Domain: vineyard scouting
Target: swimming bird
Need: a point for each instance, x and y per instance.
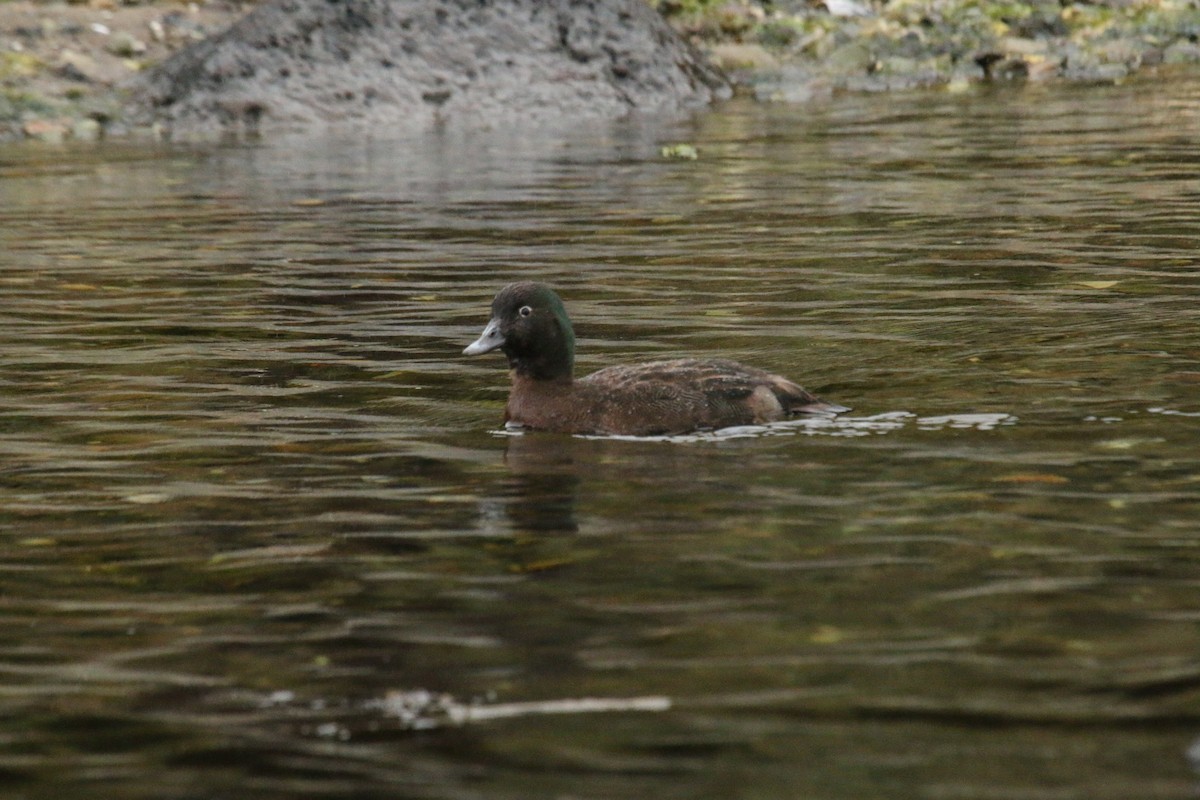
(530, 326)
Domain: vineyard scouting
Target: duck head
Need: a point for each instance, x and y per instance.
(530, 326)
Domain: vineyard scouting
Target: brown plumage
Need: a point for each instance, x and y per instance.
(530, 325)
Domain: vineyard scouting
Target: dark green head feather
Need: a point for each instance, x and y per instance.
(531, 326)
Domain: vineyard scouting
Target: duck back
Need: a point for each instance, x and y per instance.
(664, 397)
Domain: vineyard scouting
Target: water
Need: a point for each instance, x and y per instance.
(262, 535)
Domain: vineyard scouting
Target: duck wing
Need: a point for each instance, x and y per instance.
(687, 394)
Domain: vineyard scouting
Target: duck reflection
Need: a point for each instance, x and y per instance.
(541, 491)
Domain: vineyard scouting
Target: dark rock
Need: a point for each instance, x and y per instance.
(987, 61)
(1002, 67)
(414, 63)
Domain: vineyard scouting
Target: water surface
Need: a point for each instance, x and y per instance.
(262, 533)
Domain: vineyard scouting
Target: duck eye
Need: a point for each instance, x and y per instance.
(525, 311)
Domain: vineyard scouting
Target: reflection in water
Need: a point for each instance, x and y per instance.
(258, 531)
(546, 472)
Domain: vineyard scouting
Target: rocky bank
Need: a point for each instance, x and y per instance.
(386, 64)
(107, 67)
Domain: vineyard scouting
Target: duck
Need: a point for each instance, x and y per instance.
(530, 326)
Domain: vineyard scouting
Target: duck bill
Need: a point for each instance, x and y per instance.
(491, 339)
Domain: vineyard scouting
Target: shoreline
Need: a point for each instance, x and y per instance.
(62, 65)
